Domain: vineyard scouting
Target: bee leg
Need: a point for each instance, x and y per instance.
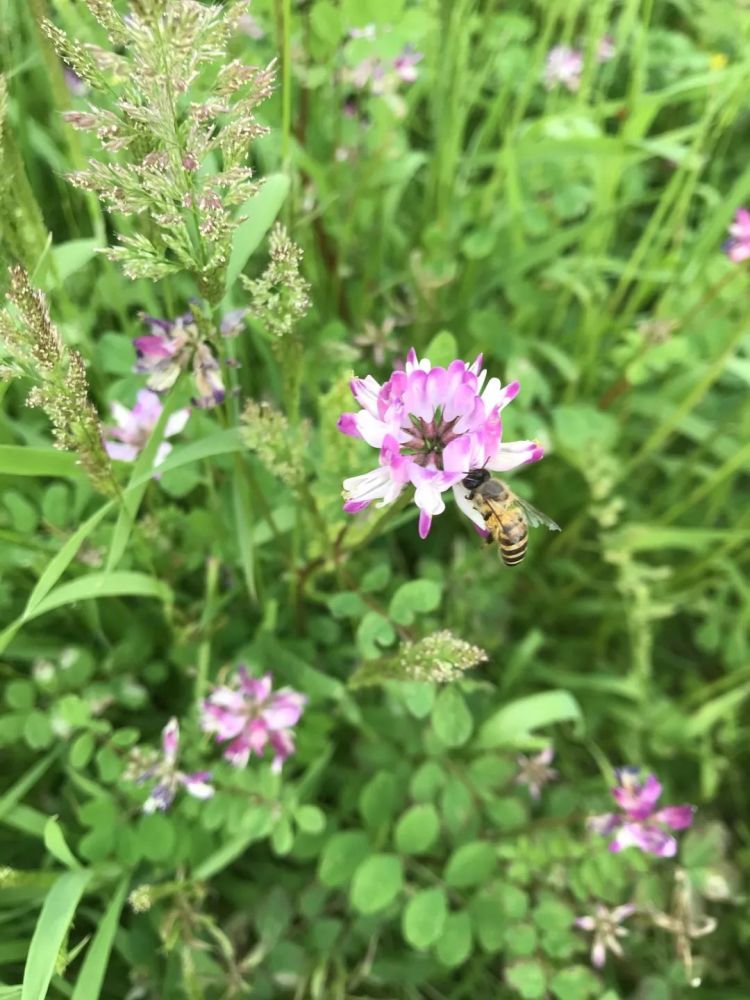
(489, 540)
(487, 515)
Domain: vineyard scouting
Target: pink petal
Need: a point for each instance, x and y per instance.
(347, 424)
(153, 346)
(425, 523)
(257, 688)
(676, 817)
(285, 709)
(598, 954)
(170, 739)
(147, 409)
(121, 452)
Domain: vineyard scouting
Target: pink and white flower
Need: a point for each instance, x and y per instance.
(133, 428)
(168, 778)
(640, 824)
(564, 66)
(169, 349)
(249, 716)
(431, 426)
(535, 772)
(405, 64)
(737, 246)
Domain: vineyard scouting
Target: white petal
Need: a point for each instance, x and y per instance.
(514, 453)
(176, 422)
(373, 431)
(466, 506)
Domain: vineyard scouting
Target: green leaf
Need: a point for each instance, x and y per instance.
(156, 837)
(376, 883)
(442, 349)
(261, 211)
(374, 632)
(68, 258)
(341, 856)
(51, 928)
(576, 983)
(413, 598)
(417, 830)
(377, 802)
(423, 919)
(310, 819)
(451, 718)
(119, 583)
(54, 841)
(91, 977)
(20, 460)
(470, 864)
(454, 944)
(514, 724)
(528, 979)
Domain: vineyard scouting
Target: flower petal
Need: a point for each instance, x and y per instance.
(676, 817)
(511, 454)
(170, 740)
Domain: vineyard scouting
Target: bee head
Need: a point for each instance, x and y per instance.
(475, 478)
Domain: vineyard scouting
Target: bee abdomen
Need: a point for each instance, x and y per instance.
(513, 552)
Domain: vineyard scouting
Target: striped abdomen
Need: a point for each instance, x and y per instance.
(513, 549)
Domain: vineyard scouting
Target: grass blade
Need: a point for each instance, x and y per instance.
(20, 460)
(91, 977)
(57, 914)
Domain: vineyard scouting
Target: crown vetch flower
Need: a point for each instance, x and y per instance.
(564, 66)
(641, 824)
(737, 246)
(604, 924)
(169, 349)
(133, 428)
(168, 778)
(250, 716)
(432, 426)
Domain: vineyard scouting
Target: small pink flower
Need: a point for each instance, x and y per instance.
(133, 428)
(249, 716)
(564, 66)
(251, 27)
(604, 924)
(431, 426)
(640, 824)
(405, 64)
(738, 246)
(171, 348)
(168, 778)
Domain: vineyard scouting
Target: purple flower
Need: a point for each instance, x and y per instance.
(640, 824)
(604, 924)
(250, 716)
(168, 778)
(738, 246)
(232, 322)
(405, 64)
(564, 66)
(169, 349)
(133, 428)
(432, 426)
(535, 771)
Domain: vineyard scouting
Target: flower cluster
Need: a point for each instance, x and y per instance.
(146, 767)
(381, 77)
(249, 716)
(432, 426)
(133, 428)
(640, 824)
(565, 64)
(170, 348)
(737, 247)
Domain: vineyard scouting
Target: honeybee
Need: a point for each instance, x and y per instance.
(505, 514)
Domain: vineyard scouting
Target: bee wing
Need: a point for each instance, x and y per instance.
(534, 517)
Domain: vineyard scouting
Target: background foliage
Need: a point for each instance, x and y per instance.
(575, 239)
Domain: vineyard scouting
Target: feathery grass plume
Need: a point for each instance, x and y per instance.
(440, 657)
(168, 133)
(280, 448)
(23, 235)
(280, 298)
(33, 348)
